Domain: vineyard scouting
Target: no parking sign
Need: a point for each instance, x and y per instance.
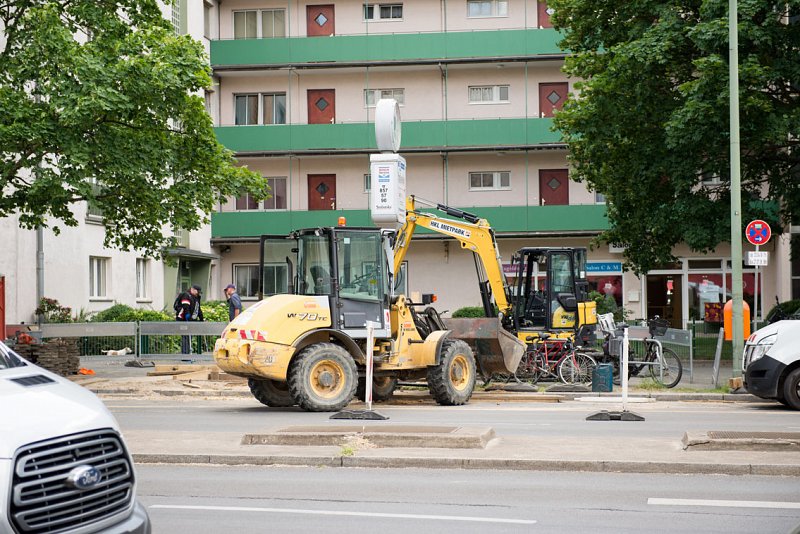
(758, 232)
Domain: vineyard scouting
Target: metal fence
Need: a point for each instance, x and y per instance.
(142, 339)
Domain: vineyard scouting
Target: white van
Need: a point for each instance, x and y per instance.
(64, 467)
(771, 363)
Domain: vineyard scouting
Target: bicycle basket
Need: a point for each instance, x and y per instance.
(615, 346)
(658, 327)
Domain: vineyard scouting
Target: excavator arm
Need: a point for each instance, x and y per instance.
(474, 234)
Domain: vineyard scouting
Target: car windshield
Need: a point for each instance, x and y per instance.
(9, 358)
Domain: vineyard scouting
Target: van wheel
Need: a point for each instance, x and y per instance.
(452, 381)
(791, 390)
(382, 388)
(323, 378)
(271, 392)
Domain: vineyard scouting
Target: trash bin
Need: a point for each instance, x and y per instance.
(602, 378)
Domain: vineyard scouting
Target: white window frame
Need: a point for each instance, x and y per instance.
(376, 12)
(175, 15)
(259, 22)
(207, 11)
(142, 279)
(495, 8)
(496, 94)
(496, 181)
(285, 180)
(260, 107)
(398, 93)
(599, 198)
(98, 277)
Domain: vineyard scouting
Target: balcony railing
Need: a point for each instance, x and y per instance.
(400, 48)
(418, 136)
(506, 219)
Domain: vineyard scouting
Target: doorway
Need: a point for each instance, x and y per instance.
(552, 97)
(320, 21)
(553, 187)
(321, 106)
(321, 192)
(665, 297)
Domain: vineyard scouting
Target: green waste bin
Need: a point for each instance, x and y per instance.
(602, 378)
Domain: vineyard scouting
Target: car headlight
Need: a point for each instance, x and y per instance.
(757, 351)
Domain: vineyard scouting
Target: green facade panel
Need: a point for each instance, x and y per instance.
(502, 219)
(386, 48)
(418, 135)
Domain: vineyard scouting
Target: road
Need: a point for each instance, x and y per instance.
(219, 500)
(662, 419)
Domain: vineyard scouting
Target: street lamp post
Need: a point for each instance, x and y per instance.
(736, 193)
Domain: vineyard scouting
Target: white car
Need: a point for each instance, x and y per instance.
(771, 363)
(64, 467)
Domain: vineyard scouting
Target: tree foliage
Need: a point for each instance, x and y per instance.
(99, 103)
(650, 123)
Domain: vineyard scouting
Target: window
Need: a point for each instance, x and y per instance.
(246, 279)
(245, 24)
(371, 96)
(142, 278)
(176, 16)
(98, 268)
(93, 211)
(247, 112)
(274, 108)
(383, 11)
(360, 266)
(488, 93)
(254, 24)
(207, 10)
(482, 181)
(246, 202)
(599, 198)
(278, 199)
(487, 8)
(273, 23)
(367, 183)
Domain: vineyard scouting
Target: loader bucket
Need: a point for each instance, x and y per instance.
(496, 350)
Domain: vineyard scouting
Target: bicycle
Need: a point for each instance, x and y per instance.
(664, 365)
(555, 358)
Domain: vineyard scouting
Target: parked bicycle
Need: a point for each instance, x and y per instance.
(662, 363)
(555, 358)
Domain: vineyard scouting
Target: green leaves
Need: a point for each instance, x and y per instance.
(650, 128)
(119, 109)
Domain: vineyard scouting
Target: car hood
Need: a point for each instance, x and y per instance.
(769, 330)
(44, 411)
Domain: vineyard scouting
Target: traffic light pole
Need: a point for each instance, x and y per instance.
(736, 192)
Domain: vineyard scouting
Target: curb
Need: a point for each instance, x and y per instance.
(599, 466)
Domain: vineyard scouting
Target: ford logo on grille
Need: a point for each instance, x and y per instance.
(83, 477)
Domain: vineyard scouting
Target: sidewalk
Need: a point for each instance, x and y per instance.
(629, 455)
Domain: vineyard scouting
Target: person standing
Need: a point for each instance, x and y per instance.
(234, 302)
(187, 308)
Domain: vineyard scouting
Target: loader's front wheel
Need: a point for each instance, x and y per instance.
(452, 381)
(323, 378)
(382, 388)
(271, 392)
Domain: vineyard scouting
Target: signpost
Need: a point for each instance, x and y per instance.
(757, 233)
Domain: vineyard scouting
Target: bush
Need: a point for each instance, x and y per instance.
(215, 311)
(121, 313)
(53, 312)
(789, 307)
(607, 304)
(469, 311)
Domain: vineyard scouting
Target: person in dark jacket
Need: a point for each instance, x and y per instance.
(187, 308)
(234, 302)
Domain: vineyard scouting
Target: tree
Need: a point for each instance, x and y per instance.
(98, 103)
(649, 126)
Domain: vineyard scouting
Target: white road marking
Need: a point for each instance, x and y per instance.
(339, 513)
(722, 503)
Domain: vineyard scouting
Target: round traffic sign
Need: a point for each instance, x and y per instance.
(758, 232)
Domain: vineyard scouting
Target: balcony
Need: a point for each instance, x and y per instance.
(506, 219)
(399, 48)
(418, 136)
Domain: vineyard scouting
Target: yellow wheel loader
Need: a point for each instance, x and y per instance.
(329, 305)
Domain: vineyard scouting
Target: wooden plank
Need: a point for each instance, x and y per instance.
(166, 369)
(194, 375)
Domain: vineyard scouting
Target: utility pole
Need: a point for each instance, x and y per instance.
(737, 331)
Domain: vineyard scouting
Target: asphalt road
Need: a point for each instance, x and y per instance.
(662, 419)
(219, 500)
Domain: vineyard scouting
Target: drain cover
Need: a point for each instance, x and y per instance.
(725, 434)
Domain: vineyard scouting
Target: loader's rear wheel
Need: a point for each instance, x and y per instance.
(271, 392)
(452, 381)
(382, 388)
(323, 378)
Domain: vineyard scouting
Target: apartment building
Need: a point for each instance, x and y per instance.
(477, 82)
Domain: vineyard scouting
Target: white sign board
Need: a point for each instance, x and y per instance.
(758, 259)
(387, 197)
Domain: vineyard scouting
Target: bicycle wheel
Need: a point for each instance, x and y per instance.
(671, 368)
(576, 368)
(530, 368)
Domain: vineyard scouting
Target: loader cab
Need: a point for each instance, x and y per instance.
(346, 265)
(551, 287)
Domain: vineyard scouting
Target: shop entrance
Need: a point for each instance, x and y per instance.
(665, 297)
